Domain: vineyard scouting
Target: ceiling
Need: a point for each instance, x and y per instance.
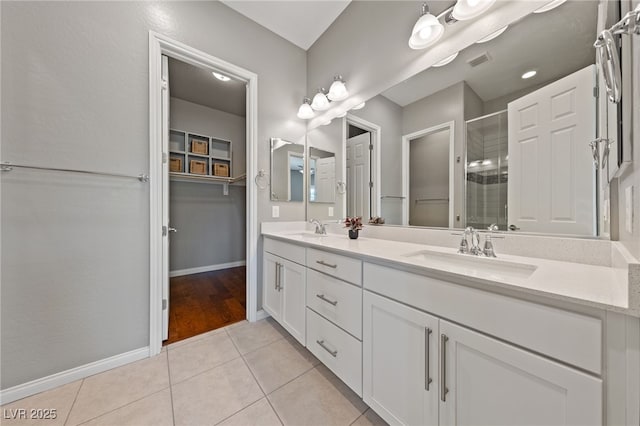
(301, 22)
(555, 44)
(198, 85)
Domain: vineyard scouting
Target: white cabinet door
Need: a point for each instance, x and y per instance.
(492, 383)
(271, 285)
(551, 174)
(400, 360)
(293, 302)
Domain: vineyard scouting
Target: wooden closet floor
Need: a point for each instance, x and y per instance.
(205, 302)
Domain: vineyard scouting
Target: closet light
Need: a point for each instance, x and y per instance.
(320, 101)
(469, 9)
(338, 90)
(445, 61)
(221, 77)
(549, 6)
(359, 106)
(426, 31)
(493, 35)
(305, 111)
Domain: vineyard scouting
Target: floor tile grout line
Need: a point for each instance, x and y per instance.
(241, 410)
(361, 414)
(75, 398)
(173, 413)
(274, 410)
(207, 370)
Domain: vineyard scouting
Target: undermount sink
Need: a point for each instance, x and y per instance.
(473, 265)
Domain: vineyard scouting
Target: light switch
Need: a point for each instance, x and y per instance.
(628, 199)
(275, 211)
(330, 211)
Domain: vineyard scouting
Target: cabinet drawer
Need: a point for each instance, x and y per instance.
(345, 268)
(567, 336)
(339, 351)
(285, 250)
(337, 301)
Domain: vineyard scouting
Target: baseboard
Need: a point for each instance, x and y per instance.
(49, 382)
(199, 269)
(262, 314)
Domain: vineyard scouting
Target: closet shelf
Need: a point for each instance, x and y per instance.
(187, 177)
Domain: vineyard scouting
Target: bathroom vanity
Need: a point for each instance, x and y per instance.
(428, 336)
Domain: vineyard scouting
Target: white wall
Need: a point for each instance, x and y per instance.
(75, 255)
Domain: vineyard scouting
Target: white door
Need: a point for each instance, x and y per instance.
(359, 176)
(489, 382)
(400, 360)
(165, 198)
(551, 174)
(292, 289)
(325, 180)
(271, 285)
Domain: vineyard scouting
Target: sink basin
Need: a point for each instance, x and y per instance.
(310, 235)
(473, 265)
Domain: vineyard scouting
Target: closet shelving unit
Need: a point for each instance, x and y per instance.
(196, 157)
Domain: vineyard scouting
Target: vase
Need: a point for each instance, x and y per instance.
(353, 234)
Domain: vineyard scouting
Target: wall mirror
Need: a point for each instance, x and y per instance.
(497, 133)
(287, 171)
(325, 163)
(322, 176)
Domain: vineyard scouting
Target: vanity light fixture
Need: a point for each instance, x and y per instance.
(446, 60)
(529, 74)
(338, 90)
(342, 114)
(326, 123)
(221, 77)
(320, 101)
(469, 9)
(359, 106)
(549, 6)
(305, 111)
(492, 35)
(426, 31)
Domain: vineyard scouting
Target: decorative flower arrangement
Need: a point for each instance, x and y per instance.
(354, 223)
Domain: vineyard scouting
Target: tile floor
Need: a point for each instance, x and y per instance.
(243, 374)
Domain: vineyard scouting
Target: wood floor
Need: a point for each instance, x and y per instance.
(206, 301)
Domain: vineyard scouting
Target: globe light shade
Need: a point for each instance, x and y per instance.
(338, 90)
(305, 111)
(426, 32)
(320, 101)
(445, 61)
(469, 9)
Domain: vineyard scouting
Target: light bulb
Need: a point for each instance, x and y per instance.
(529, 74)
(426, 31)
(338, 90)
(320, 101)
(305, 111)
(469, 9)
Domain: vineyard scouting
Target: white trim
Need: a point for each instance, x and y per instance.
(207, 268)
(262, 314)
(159, 45)
(58, 379)
(376, 140)
(405, 168)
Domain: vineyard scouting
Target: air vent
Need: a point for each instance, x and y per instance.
(480, 59)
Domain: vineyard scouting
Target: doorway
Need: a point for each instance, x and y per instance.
(206, 160)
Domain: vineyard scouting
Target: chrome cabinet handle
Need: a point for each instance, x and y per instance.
(443, 367)
(323, 298)
(170, 229)
(281, 267)
(322, 345)
(277, 282)
(323, 263)
(427, 378)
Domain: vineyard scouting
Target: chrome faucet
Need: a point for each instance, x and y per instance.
(320, 227)
(464, 244)
(488, 243)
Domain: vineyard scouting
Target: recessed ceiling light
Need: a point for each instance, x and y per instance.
(445, 61)
(221, 77)
(529, 74)
(493, 35)
(549, 6)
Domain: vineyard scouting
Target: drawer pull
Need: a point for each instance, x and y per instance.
(332, 353)
(277, 282)
(443, 367)
(427, 350)
(323, 263)
(331, 302)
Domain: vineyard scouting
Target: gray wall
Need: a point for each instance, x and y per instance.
(75, 255)
(190, 117)
(211, 226)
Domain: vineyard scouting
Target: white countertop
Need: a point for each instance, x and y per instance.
(597, 286)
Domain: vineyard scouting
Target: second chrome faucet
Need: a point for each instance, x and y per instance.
(473, 247)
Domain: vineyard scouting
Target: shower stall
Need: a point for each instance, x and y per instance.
(487, 171)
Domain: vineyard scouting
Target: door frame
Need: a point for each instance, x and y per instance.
(406, 139)
(161, 45)
(376, 137)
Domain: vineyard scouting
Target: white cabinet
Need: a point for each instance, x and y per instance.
(284, 294)
(400, 362)
(491, 382)
(475, 379)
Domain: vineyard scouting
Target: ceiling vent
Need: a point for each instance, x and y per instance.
(480, 59)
